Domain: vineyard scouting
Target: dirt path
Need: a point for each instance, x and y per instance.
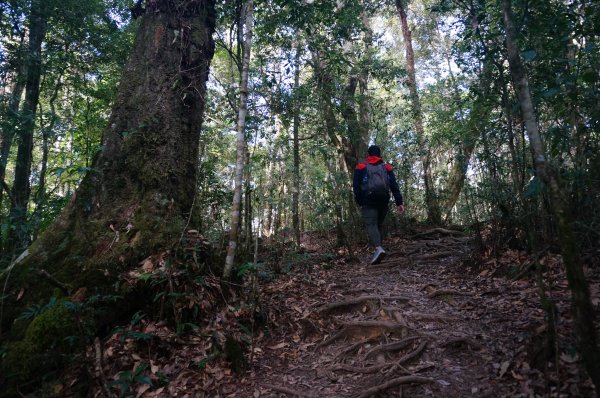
(432, 320)
(415, 325)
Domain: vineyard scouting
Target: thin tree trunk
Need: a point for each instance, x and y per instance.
(47, 132)
(12, 116)
(433, 211)
(364, 103)
(18, 237)
(241, 145)
(583, 311)
(268, 218)
(296, 150)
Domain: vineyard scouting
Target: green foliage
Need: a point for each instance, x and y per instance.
(127, 381)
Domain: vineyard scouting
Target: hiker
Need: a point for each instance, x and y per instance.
(372, 183)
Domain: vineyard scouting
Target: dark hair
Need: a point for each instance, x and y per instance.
(374, 150)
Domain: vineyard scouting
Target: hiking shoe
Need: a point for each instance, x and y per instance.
(378, 255)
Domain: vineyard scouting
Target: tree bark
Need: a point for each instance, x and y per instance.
(136, 200)
(18, 237)
(241, 145)
(12, 115)
(583, 311)
(431, 202)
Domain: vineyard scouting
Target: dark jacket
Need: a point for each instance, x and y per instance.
(359, 174)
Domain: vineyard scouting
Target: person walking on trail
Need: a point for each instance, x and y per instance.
(372, 183)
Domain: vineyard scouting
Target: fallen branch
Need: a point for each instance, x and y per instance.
(289, 391)
(358, 300)
(395, 382)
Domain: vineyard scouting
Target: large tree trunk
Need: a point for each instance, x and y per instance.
(241, 145)
(18, 237)
(583, 311)
(136, 200)
(431, 202)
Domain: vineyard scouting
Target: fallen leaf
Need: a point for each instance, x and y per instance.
(278, 346)
(503, 368)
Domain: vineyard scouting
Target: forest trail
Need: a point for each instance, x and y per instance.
(419, 324)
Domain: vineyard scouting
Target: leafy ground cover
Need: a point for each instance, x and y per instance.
(434, 319)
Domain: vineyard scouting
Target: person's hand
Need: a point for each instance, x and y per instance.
(400, 209)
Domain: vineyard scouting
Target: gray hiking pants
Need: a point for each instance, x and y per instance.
(373, 217)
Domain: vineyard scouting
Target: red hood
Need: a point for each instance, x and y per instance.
(374, 160)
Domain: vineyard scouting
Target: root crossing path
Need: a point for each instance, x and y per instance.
(417, 324)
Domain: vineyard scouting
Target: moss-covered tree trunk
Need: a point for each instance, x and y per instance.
(137, 198)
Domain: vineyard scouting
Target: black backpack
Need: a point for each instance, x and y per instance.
(376, 183)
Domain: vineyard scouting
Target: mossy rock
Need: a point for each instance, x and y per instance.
(45, 347)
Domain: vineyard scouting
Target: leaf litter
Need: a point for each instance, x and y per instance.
(455, 325)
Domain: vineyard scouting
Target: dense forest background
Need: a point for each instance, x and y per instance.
(297, 90)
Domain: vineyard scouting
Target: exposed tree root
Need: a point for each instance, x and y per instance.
(367, 369)
(289, 391)
(395, 346)
(99, 368)
(413, 354)
(390, 264)
(358, 300)
(441, 231)
(443, 292)
(376, 368)
(354, 347)
(374, 324)
(333, 338)
(393, 383)
(347, 327)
